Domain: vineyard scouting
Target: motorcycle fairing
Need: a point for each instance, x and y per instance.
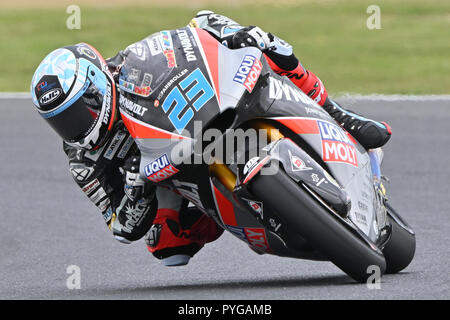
(307, 120)
(190, 92)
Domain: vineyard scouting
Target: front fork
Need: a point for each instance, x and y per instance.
(376, 158)
(224, 174)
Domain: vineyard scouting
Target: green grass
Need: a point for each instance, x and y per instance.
(409, 55)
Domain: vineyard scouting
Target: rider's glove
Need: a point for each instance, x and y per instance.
(136, 211)
(252, 37)
(134, 184)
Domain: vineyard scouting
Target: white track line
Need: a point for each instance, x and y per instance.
(393, 97)
(15, 95)
(370, 97)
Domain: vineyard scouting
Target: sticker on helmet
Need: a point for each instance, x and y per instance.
(61, 63)
(49, 97)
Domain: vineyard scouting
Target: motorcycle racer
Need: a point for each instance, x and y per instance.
(76, 91)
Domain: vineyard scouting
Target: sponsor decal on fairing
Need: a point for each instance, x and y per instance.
(256, 206)
(237, 232)
(143, 91)
(170, 83)
(138, 49)
(160, 169)
(248, 72)
(167, 45)
(255, 237)
(154, 44)
(297, 164)
(131, 106)
(250, 164)
(198, 92)
(279, 90)
(360, 218)
(336, 145)
(187, 45)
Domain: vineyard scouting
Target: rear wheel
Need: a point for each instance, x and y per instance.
(307, 217)
(401, 246)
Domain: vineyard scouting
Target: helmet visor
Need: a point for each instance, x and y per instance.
(80, 118)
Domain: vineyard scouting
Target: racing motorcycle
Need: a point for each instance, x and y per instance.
(307, 190)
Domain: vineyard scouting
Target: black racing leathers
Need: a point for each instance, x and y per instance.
(100, 176)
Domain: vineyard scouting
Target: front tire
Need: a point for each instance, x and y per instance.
(307, 217)
(401, 246)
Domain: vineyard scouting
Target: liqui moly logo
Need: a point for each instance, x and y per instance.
(159, 169)
(257, 238)
(336, 145)
(248, 72)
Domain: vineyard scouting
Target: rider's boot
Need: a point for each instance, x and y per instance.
(369, 133)
(175, 237)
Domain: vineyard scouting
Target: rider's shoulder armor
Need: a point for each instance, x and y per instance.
(220, 27)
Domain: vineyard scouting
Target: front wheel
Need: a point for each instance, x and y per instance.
(401, 246)
(307, 217)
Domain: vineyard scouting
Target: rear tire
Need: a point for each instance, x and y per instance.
(305, 216)
(401, 246)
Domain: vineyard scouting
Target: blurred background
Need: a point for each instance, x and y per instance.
(409, 54)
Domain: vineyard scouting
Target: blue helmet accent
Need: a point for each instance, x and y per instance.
(74, 92)
(86, 78)
(61, 63)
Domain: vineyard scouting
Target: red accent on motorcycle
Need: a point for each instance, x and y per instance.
(388, 128)
(225, 208)
(211, 51)
(257, 239)
(300, 125)
(256, 169)
(146, 131)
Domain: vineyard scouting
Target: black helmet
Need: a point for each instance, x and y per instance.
(75, 93)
